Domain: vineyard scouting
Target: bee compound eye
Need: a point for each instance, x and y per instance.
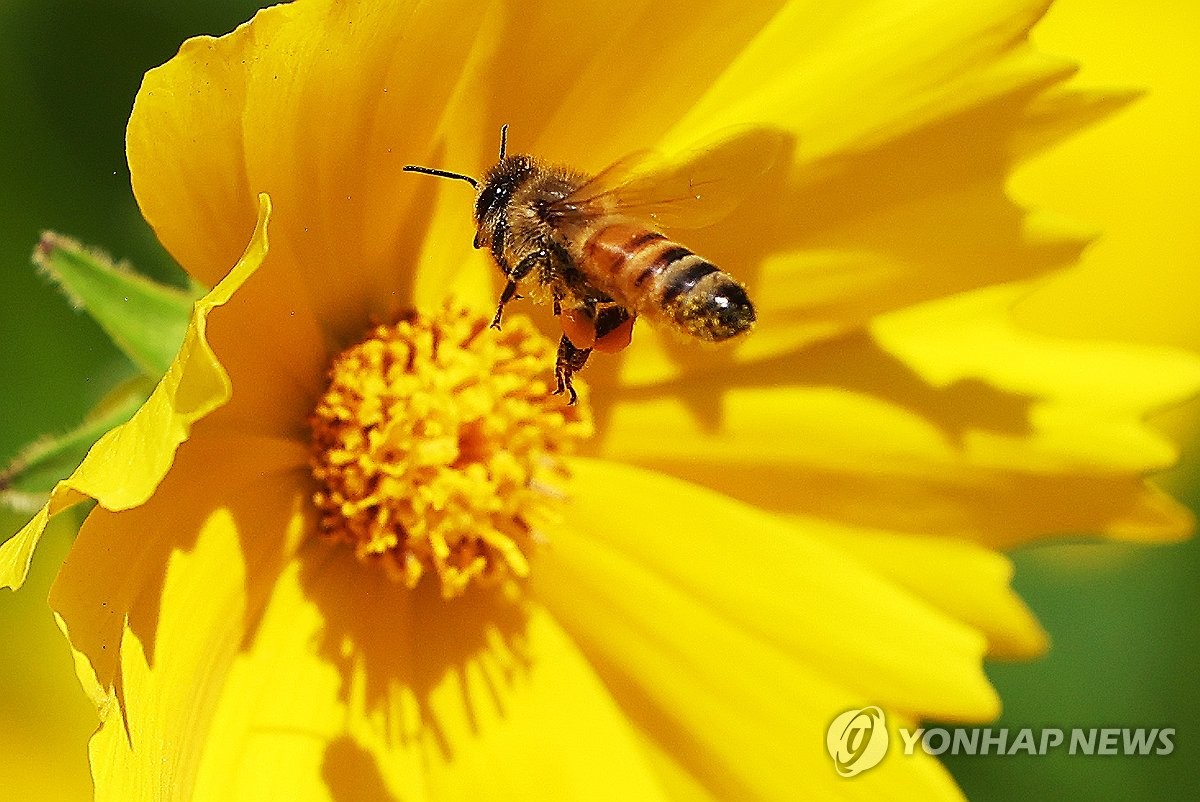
(488, 197)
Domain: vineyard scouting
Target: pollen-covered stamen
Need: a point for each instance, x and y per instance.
(437, 448)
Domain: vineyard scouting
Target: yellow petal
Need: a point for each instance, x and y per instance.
(125, 466)
(748, 566)
(113, 577)
(542, 738)
(973, 336)
(589, 83)
(894, 198)
(480, 697)
(990, 434)
(1062, 113)
(231, 656)
(851, 262)
(968, 582)
(320, 105)
(679, 784)
(904, 64)
(160, 601)
(1091, 400)
(920, 778)
(727, 633)
(1141, 173)
(151, 735)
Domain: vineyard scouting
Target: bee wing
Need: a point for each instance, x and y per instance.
(692, 194)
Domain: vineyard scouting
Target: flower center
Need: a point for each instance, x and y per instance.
(438, 445)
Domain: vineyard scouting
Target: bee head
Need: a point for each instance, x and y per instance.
(494, 190)
(498, 186)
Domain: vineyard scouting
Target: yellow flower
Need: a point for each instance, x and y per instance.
(754, 541)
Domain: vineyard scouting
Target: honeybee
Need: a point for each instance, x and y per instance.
(591, 245)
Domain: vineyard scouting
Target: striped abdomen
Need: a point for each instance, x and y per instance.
(665, 281)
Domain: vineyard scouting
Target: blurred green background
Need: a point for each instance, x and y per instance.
(1123, 619)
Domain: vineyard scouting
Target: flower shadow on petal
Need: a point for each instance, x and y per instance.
(857, 363)
(612, 83)
(987, 463)
(388, 641)
(918, 217)
(112, 584)
(390, 646)
(258, 491)
(352, 774)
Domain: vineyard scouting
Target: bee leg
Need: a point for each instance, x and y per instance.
(510, 292)
(570, 360)
(557, 303)
(523, 269)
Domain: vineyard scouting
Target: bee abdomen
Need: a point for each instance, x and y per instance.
(694, 294)
(705, 302)
(665, 280)
(629, 258)
(611, 249)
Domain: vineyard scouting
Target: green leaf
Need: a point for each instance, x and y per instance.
(26, 483)
(145, 319)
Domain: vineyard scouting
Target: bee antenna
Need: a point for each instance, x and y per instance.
(412, 168)
(503, 140)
